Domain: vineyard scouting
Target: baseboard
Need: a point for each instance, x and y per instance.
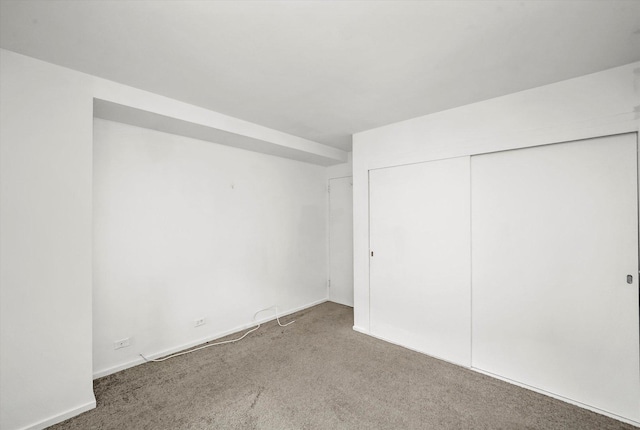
(492, 375)
(61, 417)
(557, 397)
(340, 303)
(393, 342)
(360, 330)
(140, 360)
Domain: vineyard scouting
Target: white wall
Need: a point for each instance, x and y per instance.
(186, 229)
(599, 104)
(341, 170)
(46, 137)
(45, 244)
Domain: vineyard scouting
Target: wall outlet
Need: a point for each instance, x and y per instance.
(123, 343)
(199, 322)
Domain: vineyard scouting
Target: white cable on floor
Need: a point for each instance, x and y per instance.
(275, 308)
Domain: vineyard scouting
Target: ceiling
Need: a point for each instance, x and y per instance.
(324, 70)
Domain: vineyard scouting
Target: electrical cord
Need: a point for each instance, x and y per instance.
(275, 308)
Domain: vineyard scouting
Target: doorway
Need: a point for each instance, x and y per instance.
(340, 286)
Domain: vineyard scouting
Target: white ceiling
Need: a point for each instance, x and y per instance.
(324, 70)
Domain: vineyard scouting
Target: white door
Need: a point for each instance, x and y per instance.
(341, 241)
(554, 239)
(420, 261)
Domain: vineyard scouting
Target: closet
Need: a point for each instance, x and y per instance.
(522, 264)
(420, 266)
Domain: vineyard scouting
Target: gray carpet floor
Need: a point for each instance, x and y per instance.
(319, 374)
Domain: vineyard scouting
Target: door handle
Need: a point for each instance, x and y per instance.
(629, 279)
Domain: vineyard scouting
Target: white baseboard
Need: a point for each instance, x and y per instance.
(492, 375)
(108, 371)
(555, 396)
(340, 303)
(393, 342)
(61, 417)
(360, 330)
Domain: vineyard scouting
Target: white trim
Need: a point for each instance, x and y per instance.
(60, 417)
(557, 397)
(328, 224)
(384, 339)
(361, 330)
(512, 382)
(339, 303)
(339, 177)
(520, 139)
(138, 361)
(327, 282)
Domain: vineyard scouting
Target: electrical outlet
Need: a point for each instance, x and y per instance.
(199, 322)
(123, 343)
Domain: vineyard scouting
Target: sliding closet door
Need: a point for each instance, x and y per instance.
(555, 270)
(419, 266)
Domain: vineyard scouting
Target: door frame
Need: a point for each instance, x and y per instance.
(328, 283)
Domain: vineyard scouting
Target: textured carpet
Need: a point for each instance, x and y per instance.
(319, 374)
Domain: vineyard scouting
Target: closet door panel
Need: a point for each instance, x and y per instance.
(420, 267)
(554, 239)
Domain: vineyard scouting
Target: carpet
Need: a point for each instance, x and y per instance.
(319, 374)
